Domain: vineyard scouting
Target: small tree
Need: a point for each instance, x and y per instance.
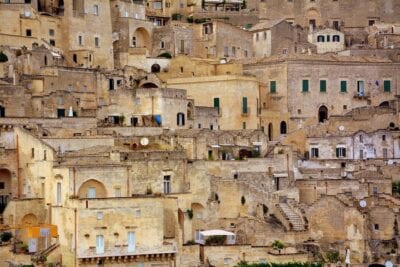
(190, 213)
(6, 236)
(3, 57)
(333, 256)
(278, 245)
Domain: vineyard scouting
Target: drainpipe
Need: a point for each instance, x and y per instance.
(18, 174)
(75, 238)
(73, 177)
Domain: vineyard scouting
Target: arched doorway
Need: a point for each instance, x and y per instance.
(384, 104)
(5, 188)
(270, 132)
(149, 85)
(92, 189)
(29, 220)
(141, 38)
(283, 128)
(322, 114)
(180, 119)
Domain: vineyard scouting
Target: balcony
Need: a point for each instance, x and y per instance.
(362, 96)
(120, 253)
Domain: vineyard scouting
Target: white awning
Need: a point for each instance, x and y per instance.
(216, 232)
(55, 55)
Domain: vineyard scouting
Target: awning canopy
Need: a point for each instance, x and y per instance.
(216, 232)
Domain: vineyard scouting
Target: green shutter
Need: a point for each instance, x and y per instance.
(344, 152)
(343, 86)
(322, 86)
(272, 86)
(337, 152)
(216, 102)
(386, 86)
(244, 106)
(305, 85)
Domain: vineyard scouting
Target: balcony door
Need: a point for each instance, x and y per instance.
(99, 244)
(131, 242)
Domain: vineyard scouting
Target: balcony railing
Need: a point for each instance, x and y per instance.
(121, 251)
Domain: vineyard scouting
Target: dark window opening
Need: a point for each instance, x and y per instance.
(111, 84)
(322, 114)
(60, 113)
(283, 127)
(28, 32)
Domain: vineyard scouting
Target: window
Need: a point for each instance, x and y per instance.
(99, 215)
(360, 88)
(134, 41)
(44, 155)
(2, 185)
(386, 86)
(314, 152)
(80, 40)
(99, 244)
(111, 84)
(32, 153)
(305, 85)
(91, 193)
(216, 103)
(371, 22)
(340, 152)
(244, 125)
(257, 36)
(182, 47)
(75, 58)
(58, 194)
(246, 53)
(131, 242)
(376, 226)
(162, 44)
(60, 113)
(328, 38)
(336, 26)
(336, 38)
(51, 32)
(272, 87)
(28, 32)
(138, 213)
(117, 192)
(97, 41)
(96, 10)
(265, 35)
(283, 127)
(180, 119)
(199, 125)
(343, 86)
(361, 139)
(320, 38)
(322, 85)
(52, 42)
(233, 51)
(385, 153)
(226, 52)
(167, 184)
(244, 105)
(384, 137)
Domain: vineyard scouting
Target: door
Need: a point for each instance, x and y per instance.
(131, 242)
(99, 244)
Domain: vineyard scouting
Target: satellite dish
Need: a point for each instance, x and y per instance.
(144, 141)
(341, 128)
(363, 203)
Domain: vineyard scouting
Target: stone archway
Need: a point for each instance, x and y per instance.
(322, 114)
(92, 189)
(141, 38)
(313, 17)
(29, 220)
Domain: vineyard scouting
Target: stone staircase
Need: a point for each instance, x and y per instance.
(295, 221)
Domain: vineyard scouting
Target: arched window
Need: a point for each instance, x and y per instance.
(155, 68)
(283, 127)
(336, 38)
(322, 114)
(180, 119)
(320, 39)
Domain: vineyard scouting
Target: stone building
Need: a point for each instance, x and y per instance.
(278, 37)
(327, 40)
(217, 39)
(320, 87)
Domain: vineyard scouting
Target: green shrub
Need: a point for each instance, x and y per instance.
(190, 213)
(333, 256)
(6, 236)
(165, 55)
(278, 245)
(3, 57)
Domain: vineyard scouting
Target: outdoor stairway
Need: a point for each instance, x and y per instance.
(294, 219)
